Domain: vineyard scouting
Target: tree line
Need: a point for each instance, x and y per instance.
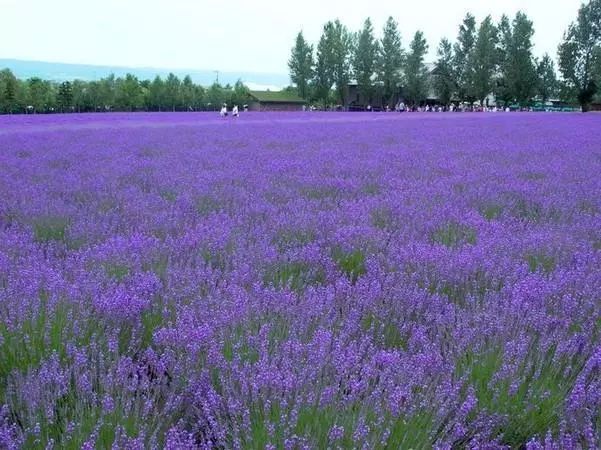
(111, 93)
(486, 58)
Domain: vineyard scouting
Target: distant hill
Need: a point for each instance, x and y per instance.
(67, 72)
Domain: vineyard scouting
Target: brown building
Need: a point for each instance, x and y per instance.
(358, 102)
(275, 101)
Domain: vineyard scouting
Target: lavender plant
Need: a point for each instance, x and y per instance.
(300, 281)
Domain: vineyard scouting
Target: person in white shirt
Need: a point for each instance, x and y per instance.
(235, 111)
(223, 112)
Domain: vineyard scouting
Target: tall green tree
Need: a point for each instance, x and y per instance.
(390, 60)
(444, 76)
(342, 50)
(21, 96)
(199, 96)
(301, 65)
(547, 86)
(215, 96)
(80, 91)
(597, 71)
(416, 74)
(2, 94)
(502, 89)
(241, 93)
(518, 69)
(578, 51)
(524, 66)
(107, 92)
(483, 61)
(156, 93)
(65, 96)
(93, 95)
(9, 86)
(463, 48)
(324, 67)
(172, 91)
(364, 60)
(129, 93)
(228, 94)
(40, 94)
(187, 93)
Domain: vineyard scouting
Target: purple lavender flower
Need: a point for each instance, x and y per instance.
(299, 281)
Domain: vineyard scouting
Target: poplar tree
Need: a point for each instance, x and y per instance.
(547, 79)
(364, 61)
(323, 75)
(578, 52)
(390, 59)
(518, 69)
(462, 49)
(416, 74)
(444, 78)
(301, 65)
(482, 61)
(341, 52)
(65, 96)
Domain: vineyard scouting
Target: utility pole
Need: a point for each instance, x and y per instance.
(217, 74)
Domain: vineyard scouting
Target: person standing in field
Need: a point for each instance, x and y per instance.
(223, 112)
(235, 111)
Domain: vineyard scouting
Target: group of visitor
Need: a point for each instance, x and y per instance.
(235, 111)
(401, 107)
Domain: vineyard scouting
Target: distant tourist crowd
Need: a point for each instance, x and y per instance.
(453, 107)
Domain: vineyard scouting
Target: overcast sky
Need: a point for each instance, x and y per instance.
(234, 35)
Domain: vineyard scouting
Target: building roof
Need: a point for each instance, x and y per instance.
(276, 97)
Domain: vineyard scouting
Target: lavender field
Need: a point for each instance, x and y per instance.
(300, 281)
